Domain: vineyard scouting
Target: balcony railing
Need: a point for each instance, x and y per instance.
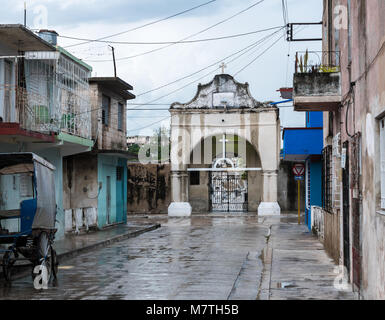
(317, 81)
(317, 62)
(44, 114)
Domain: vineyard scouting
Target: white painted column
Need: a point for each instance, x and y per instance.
(179, 157)
(269, 205)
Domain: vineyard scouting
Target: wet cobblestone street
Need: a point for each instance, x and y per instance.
(205, 257)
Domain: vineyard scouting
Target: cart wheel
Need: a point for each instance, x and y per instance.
(44, 255)
(8, 262)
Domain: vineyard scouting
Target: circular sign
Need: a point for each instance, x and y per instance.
(299, 169)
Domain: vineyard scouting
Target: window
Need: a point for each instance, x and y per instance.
(119, 173)
(382, 161)
(327, 179)
(106, 102)
(120, 117)
(194, 178)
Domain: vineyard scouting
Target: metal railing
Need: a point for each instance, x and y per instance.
(317, 61)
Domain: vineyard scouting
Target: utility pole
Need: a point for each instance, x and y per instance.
(25, 13)
(113, 58)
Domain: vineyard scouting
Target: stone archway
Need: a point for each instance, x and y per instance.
(223, 106)
(223, 179)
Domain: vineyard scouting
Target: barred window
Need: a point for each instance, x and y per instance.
(119, 173)
(327, 179)
(120, 116)
(106, 101)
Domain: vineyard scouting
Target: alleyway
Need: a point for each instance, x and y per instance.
(205, 257)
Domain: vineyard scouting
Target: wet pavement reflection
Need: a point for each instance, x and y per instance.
(205, 257)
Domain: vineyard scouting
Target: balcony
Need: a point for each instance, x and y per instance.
(317, 81)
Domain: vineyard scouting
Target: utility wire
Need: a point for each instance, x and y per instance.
(207, 67)
(186, 38)
(142, 26)
(237, 55)
(182, 42)
(149, 125)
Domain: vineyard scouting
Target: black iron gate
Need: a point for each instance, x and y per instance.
(228, 192)
(346, 208)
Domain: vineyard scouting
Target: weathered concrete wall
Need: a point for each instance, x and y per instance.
(332, 235)
(80, 180)
(317, 84)
(199, 194)
(148, 188)
(362, 63)
(288, 189)
(107, 137)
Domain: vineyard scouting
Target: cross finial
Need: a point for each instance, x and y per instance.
(223, 66)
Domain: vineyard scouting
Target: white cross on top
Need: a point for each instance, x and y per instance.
(223, 66)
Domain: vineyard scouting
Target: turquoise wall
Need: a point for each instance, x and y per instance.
(315, 188)
(107, 166)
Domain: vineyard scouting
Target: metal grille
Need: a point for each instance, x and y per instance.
(327, 179)
(228, 192)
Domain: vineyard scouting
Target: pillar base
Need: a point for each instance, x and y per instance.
(269, 209)
(179, 209)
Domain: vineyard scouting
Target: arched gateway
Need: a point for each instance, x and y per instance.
(225, 150)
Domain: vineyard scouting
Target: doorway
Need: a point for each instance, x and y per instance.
(108, 201)
(7, 90)
(228, 192)
(346, 209)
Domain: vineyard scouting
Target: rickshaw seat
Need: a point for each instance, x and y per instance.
(27, 214)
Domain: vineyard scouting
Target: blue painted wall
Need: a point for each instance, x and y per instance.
(315, 188)
(314, 119)
(303, 141)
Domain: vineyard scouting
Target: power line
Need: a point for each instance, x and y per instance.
(149, 125)
(246, 49)
(180, 42)
(186, 38)
(207, 67)
(252, 61)
(142, 26)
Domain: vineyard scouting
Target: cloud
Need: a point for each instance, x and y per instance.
(93, 19)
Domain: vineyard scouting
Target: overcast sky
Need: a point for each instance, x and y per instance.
(94, 19)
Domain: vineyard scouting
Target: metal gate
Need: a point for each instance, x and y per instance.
(346, 208)
(228, 192)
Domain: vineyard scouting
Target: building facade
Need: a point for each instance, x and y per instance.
(96, 182)
(304, 145)
(44, 101)
(348, 85)
(225, 150)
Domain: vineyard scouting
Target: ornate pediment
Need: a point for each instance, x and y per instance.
(222, 92)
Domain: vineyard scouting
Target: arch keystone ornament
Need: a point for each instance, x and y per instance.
(225, 149)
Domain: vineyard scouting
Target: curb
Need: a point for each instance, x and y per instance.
(104, 243)
(24, 271)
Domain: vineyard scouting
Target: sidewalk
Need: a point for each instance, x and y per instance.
(296, 266)
(73, 245)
